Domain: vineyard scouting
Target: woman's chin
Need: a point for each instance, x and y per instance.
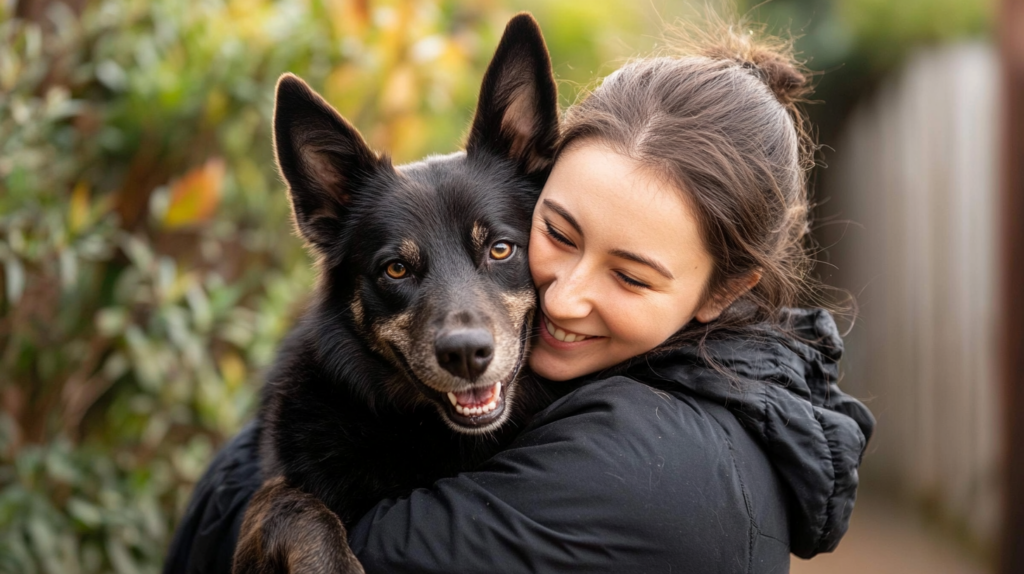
(556, 368)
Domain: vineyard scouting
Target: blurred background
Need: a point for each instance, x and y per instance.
(148, 266)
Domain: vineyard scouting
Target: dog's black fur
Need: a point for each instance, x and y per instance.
(415, 298)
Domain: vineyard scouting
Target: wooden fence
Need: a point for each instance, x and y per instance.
(912, 192)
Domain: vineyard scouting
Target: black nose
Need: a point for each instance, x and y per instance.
(465, 353)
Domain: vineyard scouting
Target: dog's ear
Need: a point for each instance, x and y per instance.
(322, 157)
(517, 114)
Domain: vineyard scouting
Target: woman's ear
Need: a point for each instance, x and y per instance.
(731, 291)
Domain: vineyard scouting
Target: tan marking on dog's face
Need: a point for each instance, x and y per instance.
(357, 308)
(519, 303)
(479, 237)
(393, 332)
(392, 335)
(409, 252)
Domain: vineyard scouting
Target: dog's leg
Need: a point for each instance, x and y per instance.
(287, 531)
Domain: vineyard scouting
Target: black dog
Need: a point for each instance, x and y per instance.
(405, 368)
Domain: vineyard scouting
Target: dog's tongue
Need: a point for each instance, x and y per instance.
(476, 396)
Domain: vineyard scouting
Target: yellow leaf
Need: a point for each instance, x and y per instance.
(194, 197)
(349, 18)
(345, 87)
(216, 106)
(232, 368)
(407, 135)
(78, 215)
(400, 93)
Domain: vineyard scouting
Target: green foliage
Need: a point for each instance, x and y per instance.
(885, 31)
(147, 262)
(875, 34)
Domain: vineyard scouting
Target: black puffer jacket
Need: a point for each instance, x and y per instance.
(669, 467)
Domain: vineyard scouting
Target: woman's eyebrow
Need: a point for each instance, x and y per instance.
(643, 261)
(565, 214)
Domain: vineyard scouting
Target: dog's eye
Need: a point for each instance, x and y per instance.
(397, 270)
(502, 250)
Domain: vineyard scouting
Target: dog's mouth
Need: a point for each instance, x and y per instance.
(476, 401)
(474, 409)
(478, 407)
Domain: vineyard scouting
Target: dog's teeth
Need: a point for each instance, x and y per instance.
(477, 410)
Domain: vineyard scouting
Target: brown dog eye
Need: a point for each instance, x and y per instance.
(397, 270)
(502, 250)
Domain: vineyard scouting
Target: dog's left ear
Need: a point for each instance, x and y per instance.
(517, 114)
(322, 157)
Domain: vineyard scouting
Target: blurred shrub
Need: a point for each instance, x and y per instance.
(147, 261)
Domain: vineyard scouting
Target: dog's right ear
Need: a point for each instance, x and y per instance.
(322, 157)
(517, 114)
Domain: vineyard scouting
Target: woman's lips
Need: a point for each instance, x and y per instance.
(559, 338)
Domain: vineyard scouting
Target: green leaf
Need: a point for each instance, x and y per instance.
(14, 278)
(87, 513)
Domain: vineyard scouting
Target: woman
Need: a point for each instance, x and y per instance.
(700, 428)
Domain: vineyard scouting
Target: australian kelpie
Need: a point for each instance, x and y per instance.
(405, 367)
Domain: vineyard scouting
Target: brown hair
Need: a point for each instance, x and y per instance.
(720, 119)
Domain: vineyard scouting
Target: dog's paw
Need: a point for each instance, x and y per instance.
(287, 531)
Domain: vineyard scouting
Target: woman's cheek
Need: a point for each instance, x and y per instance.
(542, 260)
(642, 324)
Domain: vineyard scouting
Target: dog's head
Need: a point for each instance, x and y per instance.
(426, 263)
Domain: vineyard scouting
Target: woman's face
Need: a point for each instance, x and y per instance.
(617, 257)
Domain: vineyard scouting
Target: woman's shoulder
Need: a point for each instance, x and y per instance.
(635, 411)
(681, 451)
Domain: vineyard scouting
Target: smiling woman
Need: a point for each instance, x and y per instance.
(617, 256)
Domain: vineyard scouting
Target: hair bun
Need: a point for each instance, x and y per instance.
(786, 80)
(770, 58)
(772, 62)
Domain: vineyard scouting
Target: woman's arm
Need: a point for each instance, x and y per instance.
(614, 477)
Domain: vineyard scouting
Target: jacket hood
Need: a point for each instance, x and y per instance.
(784, 391)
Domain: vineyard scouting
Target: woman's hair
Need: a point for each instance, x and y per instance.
(719, 119)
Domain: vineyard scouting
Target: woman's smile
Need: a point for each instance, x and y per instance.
(563, 339)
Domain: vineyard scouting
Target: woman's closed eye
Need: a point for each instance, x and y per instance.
(554, 234)
(632, 282)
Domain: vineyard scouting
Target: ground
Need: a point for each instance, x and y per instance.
(885, 538)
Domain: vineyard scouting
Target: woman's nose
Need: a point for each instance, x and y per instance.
(569, 296)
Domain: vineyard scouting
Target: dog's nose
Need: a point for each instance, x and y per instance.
(465, 353)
